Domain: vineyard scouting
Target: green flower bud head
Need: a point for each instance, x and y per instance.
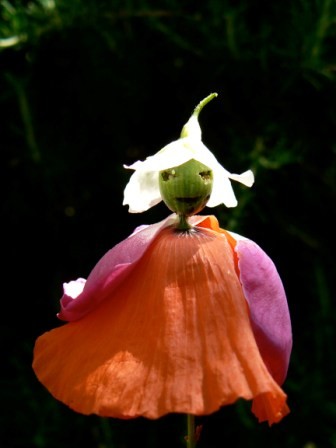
(186, 188)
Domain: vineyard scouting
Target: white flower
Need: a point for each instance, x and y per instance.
(142, 191)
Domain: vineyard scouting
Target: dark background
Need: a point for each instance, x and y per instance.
(86, 86)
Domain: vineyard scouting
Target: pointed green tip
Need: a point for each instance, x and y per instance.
(192, 127)
(202, 103)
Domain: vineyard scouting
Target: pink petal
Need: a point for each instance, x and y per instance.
(270, 317)
(108, 273)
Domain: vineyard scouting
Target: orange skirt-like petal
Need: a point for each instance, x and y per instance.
(174, 337)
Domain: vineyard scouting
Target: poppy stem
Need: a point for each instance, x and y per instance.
(191, 439)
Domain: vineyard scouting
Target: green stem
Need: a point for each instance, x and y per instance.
(183, 223)
(202, 103)
(191, 439)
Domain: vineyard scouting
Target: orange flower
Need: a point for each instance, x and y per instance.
(172, 321)
(180, 317)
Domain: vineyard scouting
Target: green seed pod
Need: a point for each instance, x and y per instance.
(186, 188)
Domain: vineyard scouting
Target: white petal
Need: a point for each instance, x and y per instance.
(142, 191)
(174, 154)
(74, 288)
(246, 178)
(192, 129)
(222, 191)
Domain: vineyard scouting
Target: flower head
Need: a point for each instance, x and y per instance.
(189, 332)
(143, 190)
(182, 316)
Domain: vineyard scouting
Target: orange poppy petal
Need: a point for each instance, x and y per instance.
(266, 298)
(175, 338)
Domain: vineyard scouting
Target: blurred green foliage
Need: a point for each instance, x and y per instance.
(86, 86)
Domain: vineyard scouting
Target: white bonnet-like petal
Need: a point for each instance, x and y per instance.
(143, 192)
(246, 178)
(222, 191)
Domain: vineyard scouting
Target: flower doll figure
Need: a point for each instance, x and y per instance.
(180, 317)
